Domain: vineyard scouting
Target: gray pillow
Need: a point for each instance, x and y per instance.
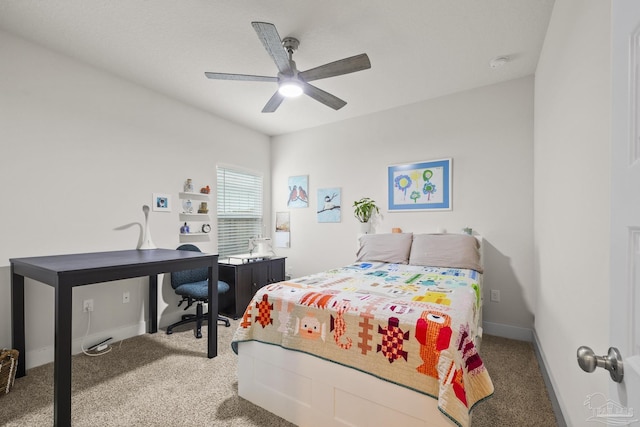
(446, 250)
(389, 247)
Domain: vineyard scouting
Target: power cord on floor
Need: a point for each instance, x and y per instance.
(93, 354)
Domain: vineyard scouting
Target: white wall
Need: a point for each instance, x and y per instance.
(572, 196)
(489, 134)
(80, 152)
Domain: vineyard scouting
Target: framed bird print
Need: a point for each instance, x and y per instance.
(329, 205)
(298, 192)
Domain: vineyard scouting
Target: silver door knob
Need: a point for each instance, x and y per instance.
(612, 362)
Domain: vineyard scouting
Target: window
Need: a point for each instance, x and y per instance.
(239, 210)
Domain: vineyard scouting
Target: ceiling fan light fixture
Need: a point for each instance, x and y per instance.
(290, 89)
(290, 82)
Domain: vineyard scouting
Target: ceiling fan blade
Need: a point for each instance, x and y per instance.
(337, 68)
(273, 103)
(325, 97)
(246, 77)
(269, 37)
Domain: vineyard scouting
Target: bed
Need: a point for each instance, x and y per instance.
(391, 339)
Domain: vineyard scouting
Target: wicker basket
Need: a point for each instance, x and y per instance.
(8, 368)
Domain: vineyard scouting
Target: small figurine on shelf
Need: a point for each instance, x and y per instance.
(188, 206)
(188, 186)
(205, 190)
(203, 208)
(184, 229)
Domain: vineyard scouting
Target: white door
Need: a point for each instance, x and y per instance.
(623, 406)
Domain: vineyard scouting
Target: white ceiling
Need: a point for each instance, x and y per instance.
(419, 49)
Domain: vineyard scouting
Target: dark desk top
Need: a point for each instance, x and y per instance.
(87, 268)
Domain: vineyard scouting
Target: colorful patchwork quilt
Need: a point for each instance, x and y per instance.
(411, 325)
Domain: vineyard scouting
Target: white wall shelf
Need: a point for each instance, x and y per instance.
(195, 215)
(194, 219)
(194, 195)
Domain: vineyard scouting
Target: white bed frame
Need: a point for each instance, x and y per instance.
(312, 392)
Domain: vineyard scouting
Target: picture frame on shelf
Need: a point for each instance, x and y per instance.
(161, 202)
(420, 186)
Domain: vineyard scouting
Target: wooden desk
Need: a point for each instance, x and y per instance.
(63, 272)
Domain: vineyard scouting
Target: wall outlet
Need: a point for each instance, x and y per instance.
(495, 295)
(126, 298)
(87, 305)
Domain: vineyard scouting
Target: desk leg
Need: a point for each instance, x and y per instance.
(17, 321)
(153, 304)
(62, 357)
(212, 315)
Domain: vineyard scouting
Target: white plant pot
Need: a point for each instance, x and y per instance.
(365, 227)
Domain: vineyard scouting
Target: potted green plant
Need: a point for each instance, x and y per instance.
(364, 210)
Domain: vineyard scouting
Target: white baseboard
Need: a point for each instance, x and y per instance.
(542, 362)
(44, 355)
(508, 331)
(40, 356)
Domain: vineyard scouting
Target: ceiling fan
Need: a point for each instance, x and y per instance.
(292, 82)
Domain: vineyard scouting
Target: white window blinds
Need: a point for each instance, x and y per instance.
(239, 210)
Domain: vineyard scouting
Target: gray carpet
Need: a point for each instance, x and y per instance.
(167, 380)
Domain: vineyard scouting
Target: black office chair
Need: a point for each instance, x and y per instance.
(192, 285)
